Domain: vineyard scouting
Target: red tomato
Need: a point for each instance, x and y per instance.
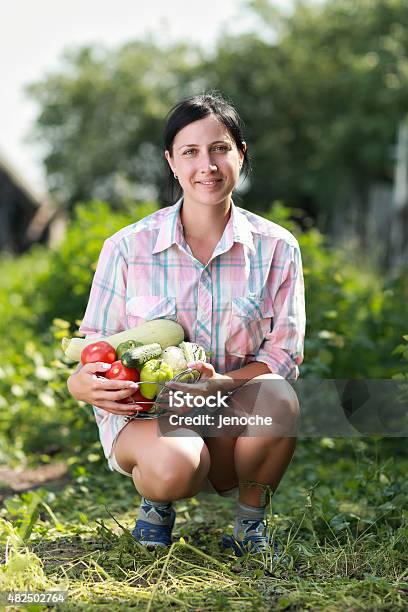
(136, 398)
(118, 371)
(98, 351)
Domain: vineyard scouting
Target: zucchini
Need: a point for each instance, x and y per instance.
(137, 356)
(164, 331)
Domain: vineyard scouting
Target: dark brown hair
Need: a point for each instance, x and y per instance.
(192, 109)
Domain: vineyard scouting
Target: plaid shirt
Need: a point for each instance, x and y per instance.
(247, 304)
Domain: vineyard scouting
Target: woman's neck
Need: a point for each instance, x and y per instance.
(204, 223)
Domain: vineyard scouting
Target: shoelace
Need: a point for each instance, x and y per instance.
(255, 539)
(251, 545)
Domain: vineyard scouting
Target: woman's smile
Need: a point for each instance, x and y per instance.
(210, 183)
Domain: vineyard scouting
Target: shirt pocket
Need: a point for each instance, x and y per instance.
(251, 320)
(148, 307)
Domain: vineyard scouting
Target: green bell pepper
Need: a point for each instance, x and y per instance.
(157, 371)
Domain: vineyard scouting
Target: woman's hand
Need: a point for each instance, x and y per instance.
(104, 393)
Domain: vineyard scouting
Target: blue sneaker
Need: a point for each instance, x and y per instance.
(157, 532)
(255, 541)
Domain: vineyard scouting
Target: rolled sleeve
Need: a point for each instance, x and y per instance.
(105, 313)
(282, 349)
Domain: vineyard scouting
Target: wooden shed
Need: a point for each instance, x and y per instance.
(25, 216)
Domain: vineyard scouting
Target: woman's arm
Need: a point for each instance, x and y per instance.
(228, 381)
(255, 368)
(282, 348)
(105, 315)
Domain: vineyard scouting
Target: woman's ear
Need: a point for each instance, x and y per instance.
(169, 160)
(242, 153)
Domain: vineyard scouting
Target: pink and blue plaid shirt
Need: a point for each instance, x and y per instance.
(247, 304)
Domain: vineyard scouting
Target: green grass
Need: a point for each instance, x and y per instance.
(339, 516)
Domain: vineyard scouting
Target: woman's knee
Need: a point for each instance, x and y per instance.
(175, 474)
(275, 397)
(280, 391)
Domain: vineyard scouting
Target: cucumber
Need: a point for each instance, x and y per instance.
(140, 354)
(125, 346)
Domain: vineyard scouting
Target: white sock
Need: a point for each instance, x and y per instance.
(157, 513)
(248, 520)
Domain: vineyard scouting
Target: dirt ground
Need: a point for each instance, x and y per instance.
(20, 480)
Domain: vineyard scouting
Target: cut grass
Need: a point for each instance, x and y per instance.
(342, 547)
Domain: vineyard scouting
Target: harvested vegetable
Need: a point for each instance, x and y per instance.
(174, 357)
(165, 332)
(125, 346)
(142, 404)
(137, 356)
(193, 351)
(154, 371)
(98, 351)
(118, 371)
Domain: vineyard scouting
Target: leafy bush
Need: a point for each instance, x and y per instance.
(65, 285)
(355, 318)
(47, 292)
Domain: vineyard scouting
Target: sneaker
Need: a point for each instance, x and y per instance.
(151, 535)
(256, 541)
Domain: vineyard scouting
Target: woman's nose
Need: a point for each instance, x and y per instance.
(209, 166)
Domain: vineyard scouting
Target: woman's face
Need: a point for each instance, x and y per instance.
(206, 161)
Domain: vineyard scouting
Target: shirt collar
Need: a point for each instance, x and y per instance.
(242, 228)
(171, 229)
(238, 229)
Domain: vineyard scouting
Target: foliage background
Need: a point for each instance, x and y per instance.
(322, 91)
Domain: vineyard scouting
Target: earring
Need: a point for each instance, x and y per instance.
(175, 176)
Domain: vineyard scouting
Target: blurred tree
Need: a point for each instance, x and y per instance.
(321, 91)
(101, 119)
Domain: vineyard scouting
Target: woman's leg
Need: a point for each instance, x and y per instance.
(163, 468)
(222, 473)
(235, 461)
(262, 453)
(259, 454)
(256, 454)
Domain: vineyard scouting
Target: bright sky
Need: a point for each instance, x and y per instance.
(33, 35)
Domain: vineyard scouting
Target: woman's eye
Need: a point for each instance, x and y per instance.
(189, 152)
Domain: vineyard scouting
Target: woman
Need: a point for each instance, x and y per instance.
(234, 281)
